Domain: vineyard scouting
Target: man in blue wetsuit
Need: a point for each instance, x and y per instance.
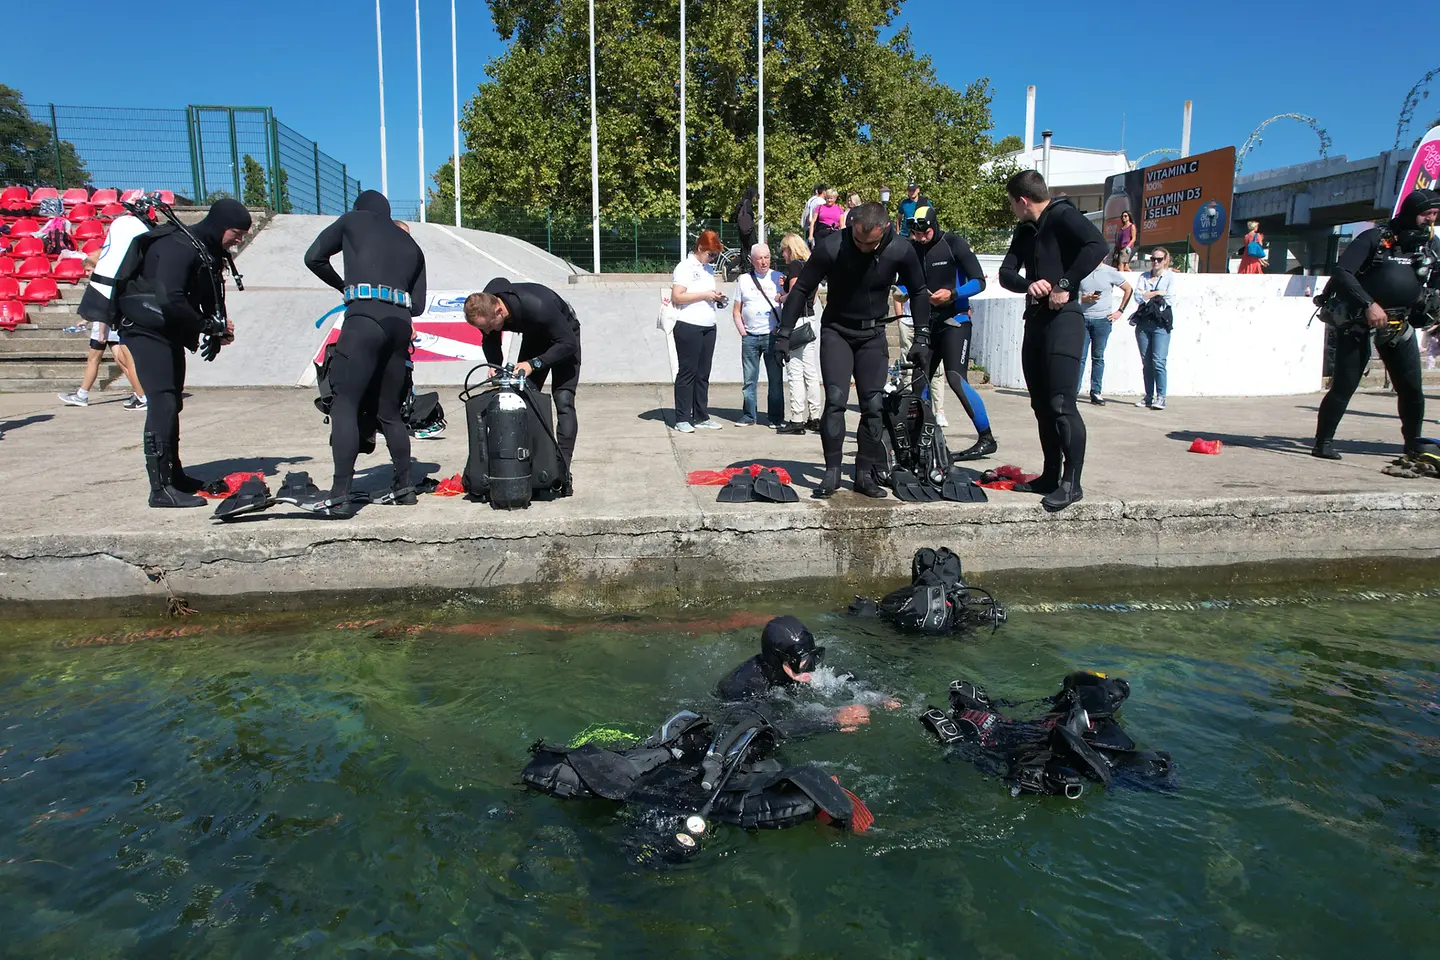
(954, 276)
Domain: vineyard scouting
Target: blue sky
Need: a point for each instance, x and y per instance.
(315, 64)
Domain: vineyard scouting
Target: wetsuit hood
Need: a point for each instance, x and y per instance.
(226, 213)
(787, 641)
(373, 201)
(1410, 234)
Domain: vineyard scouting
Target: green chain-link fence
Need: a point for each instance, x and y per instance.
(199, 153)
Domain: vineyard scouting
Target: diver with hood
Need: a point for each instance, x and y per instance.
(1384, 285)
(787, 659)
(170, 301)
(384, 289)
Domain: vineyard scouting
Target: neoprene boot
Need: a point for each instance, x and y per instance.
(829, 485)
(866, 485)
(982, 447)
(402, 496)
(1324, 449)
(179, 479)
(1046, 483)
(162, 489)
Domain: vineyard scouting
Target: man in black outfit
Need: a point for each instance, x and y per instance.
(861, 263)
(177, 297)
(745, 225)
(1385, 281)
(384, 289)
(549, 340)
(1056, 247)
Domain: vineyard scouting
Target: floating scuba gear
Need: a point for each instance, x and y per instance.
(918, 457)
(1078, 739)
(937, 601)
(513, 451)
(694, 770)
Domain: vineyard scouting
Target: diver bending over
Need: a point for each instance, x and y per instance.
(1077, 739)
(937, 601)
(384, 289)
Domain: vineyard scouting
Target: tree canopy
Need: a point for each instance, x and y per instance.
(27, 149)
(842, 106)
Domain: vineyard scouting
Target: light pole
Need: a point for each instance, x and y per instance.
(760, 112)
(594, 156)
(455, 100)
(420, 110)
(683, 211)
(380, 56)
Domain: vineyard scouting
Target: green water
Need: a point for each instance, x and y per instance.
(292, 787)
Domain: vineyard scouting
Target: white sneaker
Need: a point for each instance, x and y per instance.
(711, 424)
(940, 420)
(73, 399)
(684, 427)
(1142, 403)
(1159, 404)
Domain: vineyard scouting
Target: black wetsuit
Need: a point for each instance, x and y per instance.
(751, 680)
(745, 225)
(945, 259)
(550, 339)
(852, 342)
(374, 345)
(187, 289)
(1371, 273)
(1060, 245)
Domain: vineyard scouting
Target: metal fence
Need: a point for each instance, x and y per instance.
(201, 153)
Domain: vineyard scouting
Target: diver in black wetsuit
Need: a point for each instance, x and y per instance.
(384, 287)
(788, 654)
(1385, 282)
(946, 257)
(177, 297)
(550, 340)
(1056, 247)
(861, 263)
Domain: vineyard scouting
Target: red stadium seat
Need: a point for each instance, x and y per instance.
(15, 199)
(4, 243)
(40, 290)
(27, 247)
(24, 227)
(44, 193)
(89, 230)
(75, 195)
(7, 266)
(113, 210)
(91, 246)
(102, 197)
(9, 288)
(130, 196)
(12, 314)
(68, 270)
(32, 267)
(81, 212)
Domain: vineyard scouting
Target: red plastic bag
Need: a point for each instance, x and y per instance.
(450, 487)
(718, 478)
(231, 482)
(1199, 445)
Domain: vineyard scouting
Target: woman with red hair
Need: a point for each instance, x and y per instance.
(693, 293)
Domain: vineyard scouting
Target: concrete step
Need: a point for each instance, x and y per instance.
(57, 370)
(67, 384)
(44, 345)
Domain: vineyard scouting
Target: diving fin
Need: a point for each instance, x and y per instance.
(298, 487)
(911, 488)
(768, 486)
(961, 487)
(740, 489)
(252, 496)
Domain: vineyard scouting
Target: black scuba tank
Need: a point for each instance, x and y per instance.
(513, 453)
(507, 448)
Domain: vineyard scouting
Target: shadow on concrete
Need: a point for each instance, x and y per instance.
(665, 415)
(1289, 444)
(270, 466)
(6, 425)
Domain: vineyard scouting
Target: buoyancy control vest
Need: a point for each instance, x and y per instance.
(513, 451)
(937, 600)
(99, 304)
(915, 441)
(1077, 739)
(420, 411)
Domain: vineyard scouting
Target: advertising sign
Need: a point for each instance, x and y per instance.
(1187, 199)
(1424, 168)
(441, 333)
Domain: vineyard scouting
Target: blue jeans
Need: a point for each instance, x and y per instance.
(1154, 343)
(753, 346)
(1097, 334)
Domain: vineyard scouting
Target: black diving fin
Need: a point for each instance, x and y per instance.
(769, 486)
(911, 488)
(252, 496)
(740, 489)
(960, 486)
(298, 488)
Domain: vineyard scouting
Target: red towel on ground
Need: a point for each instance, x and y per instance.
(1005, 478)
(450, 487)
(718, 478)
(1200, 445)
(232, 483)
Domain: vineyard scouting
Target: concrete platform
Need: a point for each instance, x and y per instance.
(74, 524)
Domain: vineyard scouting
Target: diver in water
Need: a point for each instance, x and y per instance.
(937, 601)
(1385, 286)
(787, 660)
(384, 289)
(1077, 739)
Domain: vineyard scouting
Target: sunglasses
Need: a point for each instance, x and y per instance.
(1157, 259)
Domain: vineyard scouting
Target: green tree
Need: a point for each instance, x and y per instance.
(283, 176)
(27, 148)
(257, 191)
(842, 106)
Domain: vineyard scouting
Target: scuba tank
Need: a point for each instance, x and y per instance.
(513, 452)
(98, 303)
(507, 446)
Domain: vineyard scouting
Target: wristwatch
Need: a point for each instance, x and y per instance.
(1064, 283)
(536, 365)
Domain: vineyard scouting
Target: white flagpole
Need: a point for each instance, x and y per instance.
(380, 56)
(684, 242)
(420, 110)
(455, 95)
(594, 155)
(760, 114)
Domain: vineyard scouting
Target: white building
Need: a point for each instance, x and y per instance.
(1075, 172)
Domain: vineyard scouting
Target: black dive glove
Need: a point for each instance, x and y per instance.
(782, 347)
(920, 352)
(213, 333)
(210, 347)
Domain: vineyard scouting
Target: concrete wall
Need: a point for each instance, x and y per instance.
(1234, 336)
